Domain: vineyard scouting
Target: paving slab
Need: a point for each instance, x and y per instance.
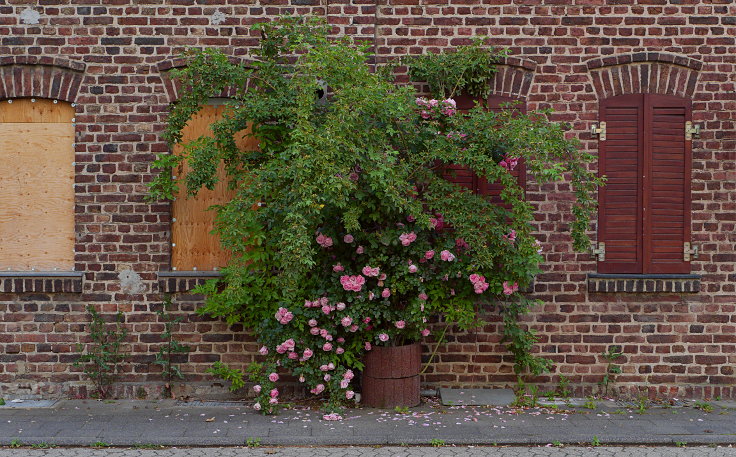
(477, 397)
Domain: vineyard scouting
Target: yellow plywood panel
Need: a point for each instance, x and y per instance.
(35, 110)
(193, 246)
(36, 196)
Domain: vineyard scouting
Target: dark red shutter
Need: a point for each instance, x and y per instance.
(644, 212)
(667, 159)
(620, 200)
(466, 178)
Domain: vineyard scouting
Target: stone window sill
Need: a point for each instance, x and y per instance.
(183, 281)
(21, 282)
(636, 283)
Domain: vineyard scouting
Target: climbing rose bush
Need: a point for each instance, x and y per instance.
(344, 232)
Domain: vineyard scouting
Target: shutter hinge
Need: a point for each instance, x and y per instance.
(691, 130)
(687, 252)
(600, 131)
(600, 251)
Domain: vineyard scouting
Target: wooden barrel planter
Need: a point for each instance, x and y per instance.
(391, 376)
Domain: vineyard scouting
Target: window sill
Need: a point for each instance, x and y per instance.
(20, 282)
(183, 281)
(639, 283)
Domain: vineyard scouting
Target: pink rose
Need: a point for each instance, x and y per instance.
(273, 401)
(257, 388)
(339, 350)
(348, 238)
(407, 238)
(353, 328)
(301, 378)
(352, 283)
(263, 350)
(257, 406)
(326, 309)
(370, 272)
(284, 316)
(425, 332)
(327, 377)
(340, 306)
(337, 268)
(330, 366)
(349, 394)
(293, 355)
(400, 324)
(346, 321)
(314, 330)
(324, 241)
(510, 237)
(383, 337)
(360, 250)
(423, 296)
(273, 377)
(327, 347)
(410, 218)
(509, 289)
(344, 383)
(307, 353)
(428, 255)
(341, 340)
(274, 393)
(385, 293)
(447, 256)
(324, 367)
(413, 268)
(312, 322)
(368, 346)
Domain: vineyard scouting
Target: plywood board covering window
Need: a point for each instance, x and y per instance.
(194, 246)
(36, 185)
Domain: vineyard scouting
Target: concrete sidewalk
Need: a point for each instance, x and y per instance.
(127, 423)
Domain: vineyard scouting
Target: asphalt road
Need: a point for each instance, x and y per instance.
(470, 451)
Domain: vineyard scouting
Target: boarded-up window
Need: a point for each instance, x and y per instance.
(36, 185)
(193, 245)
(644, 215)
(465, 177)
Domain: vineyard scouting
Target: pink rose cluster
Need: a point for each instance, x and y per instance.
(509, 289)
(318, 303)
(370, 272)
(479, 283)
(284, 316)
(286, 346)
(438, 223)
(447, 256)
(509, 163)
(510, 237)
(352, 283)
(324, 241)
(407, 238)
(447, 107)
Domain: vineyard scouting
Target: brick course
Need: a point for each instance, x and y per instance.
(111, 61)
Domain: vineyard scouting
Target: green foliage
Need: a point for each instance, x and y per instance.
(680, 443)
(99, 444)
(16, 443)
(557, 443)
(165, 354)
(235, 377)
(401, 409)
(41, 445)
(2, 401)
(642, 404)
(613, 353)
(253, 442)
(704, 406)
(563, 387)
(436, 442)
(596, 442)
(103, 353)
(468, 69)
(356, 181)
(590, 403)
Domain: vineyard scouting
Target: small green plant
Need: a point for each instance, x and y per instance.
(590, 403)
(642, 404)
(2, 402)
(613, 353)
(435, 442)
(148, 446)
(103, 352)
(140, 393)
(619, 411)
(703, 406)
(550, 395)
(524, 399)
(563, 387)
(99, 444)
(596, 442)
(15, 442)
(402, 409)
(680, 443)
(41, 445)
(556, 443)
(171, 347)
(253, 442)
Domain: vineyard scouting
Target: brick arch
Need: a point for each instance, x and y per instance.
(43, 77)
(173, 87)
(513, 77)
(644, 72)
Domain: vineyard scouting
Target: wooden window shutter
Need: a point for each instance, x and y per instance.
(667, 165)
(644, 208)
(465, 177)
(193, 245)
(36, 185)
(619, 159)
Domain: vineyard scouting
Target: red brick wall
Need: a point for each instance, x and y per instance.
(111, 60)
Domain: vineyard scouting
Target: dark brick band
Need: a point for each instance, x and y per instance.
(603, 283)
